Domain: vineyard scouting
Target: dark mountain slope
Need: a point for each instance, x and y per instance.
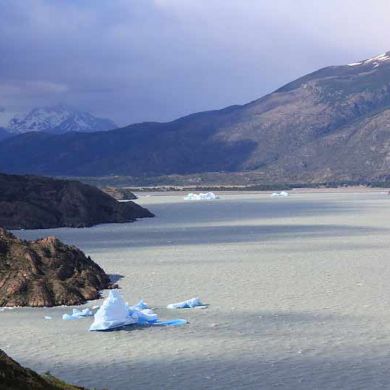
(32, 202)
(282, 135)
(183, 146)
(4, 133)
(15, 377)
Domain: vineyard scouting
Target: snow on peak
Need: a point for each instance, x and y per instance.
(58, 119)
(375, 61)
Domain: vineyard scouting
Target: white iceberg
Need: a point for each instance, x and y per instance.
(201, 196)
(77, 314)
(188, 304)
(113, 313)
(143, 317)
(280, 194)
(116, 313)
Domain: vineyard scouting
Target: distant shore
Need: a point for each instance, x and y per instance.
(220, 189)
(242, 182)
(254, 189)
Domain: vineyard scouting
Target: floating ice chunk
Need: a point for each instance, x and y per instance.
(177, 322)
(77, 314)
(141, 305)
(48, 318)
(188, 304)
(280, 194)
(116, 313)
(113, 313)
(201, 196)
(143, 317)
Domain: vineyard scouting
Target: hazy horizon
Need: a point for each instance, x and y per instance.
(134, 61)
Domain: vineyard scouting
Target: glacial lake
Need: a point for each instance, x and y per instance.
(298, 289)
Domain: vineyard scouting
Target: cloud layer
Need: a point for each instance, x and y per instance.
(135, 60)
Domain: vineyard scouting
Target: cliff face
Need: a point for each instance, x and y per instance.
(32, 202)
(46, 272)
(15, 377)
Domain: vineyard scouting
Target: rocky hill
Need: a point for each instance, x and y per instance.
(15, 377)
(32, 202)
(46, 272)
(330, 125)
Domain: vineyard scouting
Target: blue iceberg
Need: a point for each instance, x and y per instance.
(282, 194)
(77, 314)
(201, 196)
(188, 304)
(116, 313)
(141, 305)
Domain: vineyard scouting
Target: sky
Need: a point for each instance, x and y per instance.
(143, 60)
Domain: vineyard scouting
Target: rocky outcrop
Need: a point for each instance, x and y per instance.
(46, 272)
(15, 377)
(33, 202)
(119, 193)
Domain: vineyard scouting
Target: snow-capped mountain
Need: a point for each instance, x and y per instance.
(58, 119)
(375, 61)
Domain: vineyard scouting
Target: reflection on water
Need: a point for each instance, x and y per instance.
(229, 220)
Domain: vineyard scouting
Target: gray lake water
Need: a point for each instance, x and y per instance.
(298, 289)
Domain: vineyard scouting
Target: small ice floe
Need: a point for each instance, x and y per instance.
(188, 304)
(141, 305)
(279, 194)
(201, 196)
(116, 313)
(77, 314)
(48, 318)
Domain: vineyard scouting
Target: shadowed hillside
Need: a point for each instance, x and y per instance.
(32, 202)
(333, 124)
(15, 377)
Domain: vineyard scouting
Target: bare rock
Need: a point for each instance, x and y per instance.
(46, 272)
(33, 202)
(119, 193)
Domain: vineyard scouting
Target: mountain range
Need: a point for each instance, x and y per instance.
(330, 125)
(57, 119)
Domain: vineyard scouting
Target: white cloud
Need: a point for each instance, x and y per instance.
(136, 60)
(31, 88)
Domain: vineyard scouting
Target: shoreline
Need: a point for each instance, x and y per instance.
(239, 190)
